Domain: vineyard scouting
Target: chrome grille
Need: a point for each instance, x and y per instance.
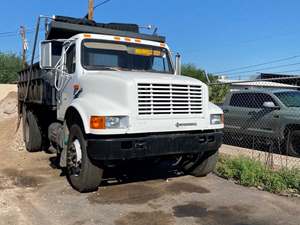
(156, 99)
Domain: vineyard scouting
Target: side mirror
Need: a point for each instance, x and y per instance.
(46, 55)
(177, 64)
(270, 105)
(50, 53)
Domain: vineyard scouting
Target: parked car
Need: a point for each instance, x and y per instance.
(272, 114)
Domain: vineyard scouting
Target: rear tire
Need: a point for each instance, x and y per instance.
(294, 143)
(82, 173)
(32, 132)
(202, 164)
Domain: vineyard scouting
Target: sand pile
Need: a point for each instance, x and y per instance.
(7, 88)
(9, 106)
(9, 114)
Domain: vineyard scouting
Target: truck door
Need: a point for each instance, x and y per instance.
(66, 94)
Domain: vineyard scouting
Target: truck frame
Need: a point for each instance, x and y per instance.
(102, 94)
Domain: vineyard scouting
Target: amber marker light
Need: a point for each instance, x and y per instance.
(97, 122)
(87, 35)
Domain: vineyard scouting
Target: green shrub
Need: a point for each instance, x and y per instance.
(252, 173)
(10, 65)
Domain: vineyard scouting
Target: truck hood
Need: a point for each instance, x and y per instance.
(292, 112)
(119, 89)
(123, 93)
(131, 76)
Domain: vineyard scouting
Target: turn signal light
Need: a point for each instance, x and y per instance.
(97, 122)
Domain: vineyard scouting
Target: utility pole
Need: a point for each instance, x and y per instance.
(91, 10)
(24, 45)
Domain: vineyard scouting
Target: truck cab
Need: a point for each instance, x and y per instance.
(116, 96)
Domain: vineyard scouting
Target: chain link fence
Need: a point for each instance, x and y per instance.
(262, 119)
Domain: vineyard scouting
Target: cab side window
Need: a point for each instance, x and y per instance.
(71, 59)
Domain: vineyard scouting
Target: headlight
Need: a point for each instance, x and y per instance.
(216, 119)
(116, 122)
(109, 122)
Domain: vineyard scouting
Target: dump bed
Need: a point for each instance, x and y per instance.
(62, 27)
(41, 86)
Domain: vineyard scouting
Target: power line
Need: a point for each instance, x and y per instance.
(9, 35)
(101, 3)
(8, 32)
(259, 64)
(14, 35)
(288, 71)
(265, 68)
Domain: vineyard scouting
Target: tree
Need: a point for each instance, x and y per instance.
(10, 65)
(216, 92)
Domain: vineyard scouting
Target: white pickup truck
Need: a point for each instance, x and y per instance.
(105, 93)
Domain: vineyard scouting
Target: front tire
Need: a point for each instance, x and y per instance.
(294, 143)
(82, 173)
(201, 165)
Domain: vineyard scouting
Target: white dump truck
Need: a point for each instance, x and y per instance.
(102, 94)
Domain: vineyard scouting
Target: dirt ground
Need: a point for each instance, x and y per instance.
(32, 192)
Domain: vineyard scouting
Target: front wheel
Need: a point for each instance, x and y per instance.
(200, 165)
(82, 173)
(294, 143)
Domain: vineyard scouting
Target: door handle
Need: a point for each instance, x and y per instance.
(276, 116)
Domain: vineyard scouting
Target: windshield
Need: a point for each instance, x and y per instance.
(100, 55)
(289, 98)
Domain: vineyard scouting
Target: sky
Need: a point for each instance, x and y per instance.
(215, 35)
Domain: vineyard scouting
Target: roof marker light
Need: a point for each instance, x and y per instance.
(87, 35)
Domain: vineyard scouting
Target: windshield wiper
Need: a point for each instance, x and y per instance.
(103, 68)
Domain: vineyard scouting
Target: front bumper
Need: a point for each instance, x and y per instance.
(151, 145)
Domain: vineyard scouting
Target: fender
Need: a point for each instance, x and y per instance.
(214, 109)
(92, 104)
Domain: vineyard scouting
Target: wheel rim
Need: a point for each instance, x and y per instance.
(75, 158)
(295, 143)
